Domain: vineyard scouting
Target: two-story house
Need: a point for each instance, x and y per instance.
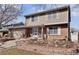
(49, 24)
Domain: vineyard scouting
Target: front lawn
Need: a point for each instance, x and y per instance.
(15, 51)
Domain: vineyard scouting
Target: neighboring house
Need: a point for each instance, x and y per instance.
(3, 31)
(74, 35)
(50, 24)
(16, 30)
(14, 25)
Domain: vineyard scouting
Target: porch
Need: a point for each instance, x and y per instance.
(39, 32)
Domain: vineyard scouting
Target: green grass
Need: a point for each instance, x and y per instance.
(15, 51)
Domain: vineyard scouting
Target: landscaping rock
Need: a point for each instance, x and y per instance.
(44, 49)
(60, 43)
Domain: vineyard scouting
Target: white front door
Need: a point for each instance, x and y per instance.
(35, 31)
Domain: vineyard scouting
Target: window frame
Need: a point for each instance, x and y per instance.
(53, 30)
(34, 18)
(52, 16)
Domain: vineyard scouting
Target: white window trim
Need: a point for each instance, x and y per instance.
(59, 31)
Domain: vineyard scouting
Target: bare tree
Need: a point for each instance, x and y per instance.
(9, 12)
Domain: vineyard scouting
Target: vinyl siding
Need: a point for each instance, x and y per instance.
(62, 17)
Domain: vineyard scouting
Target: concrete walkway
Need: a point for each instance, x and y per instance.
(8, 44)
(11, 43)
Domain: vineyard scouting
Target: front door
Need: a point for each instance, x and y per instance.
(35, 31)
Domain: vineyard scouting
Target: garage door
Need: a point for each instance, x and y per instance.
(18, 34)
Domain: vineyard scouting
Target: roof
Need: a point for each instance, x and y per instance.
(13, 26)
(35, 25)
(16, 24)
(47, 11)
(17, 27)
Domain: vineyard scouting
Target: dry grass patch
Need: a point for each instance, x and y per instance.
(15, 51)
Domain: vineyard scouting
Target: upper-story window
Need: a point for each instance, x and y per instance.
(52, 16)
(34, 18)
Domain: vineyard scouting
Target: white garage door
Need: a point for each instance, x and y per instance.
(18, 34)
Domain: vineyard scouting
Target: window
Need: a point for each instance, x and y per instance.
(53, 30)
(52, 16)
(34, 18)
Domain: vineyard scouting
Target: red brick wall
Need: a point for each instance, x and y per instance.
(63, 34)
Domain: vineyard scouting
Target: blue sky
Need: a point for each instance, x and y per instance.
(28, 8)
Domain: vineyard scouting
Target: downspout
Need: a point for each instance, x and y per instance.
(69, 20)
(42, 31)
(78, 36)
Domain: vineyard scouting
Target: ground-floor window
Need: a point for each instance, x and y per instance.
(54, 30)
